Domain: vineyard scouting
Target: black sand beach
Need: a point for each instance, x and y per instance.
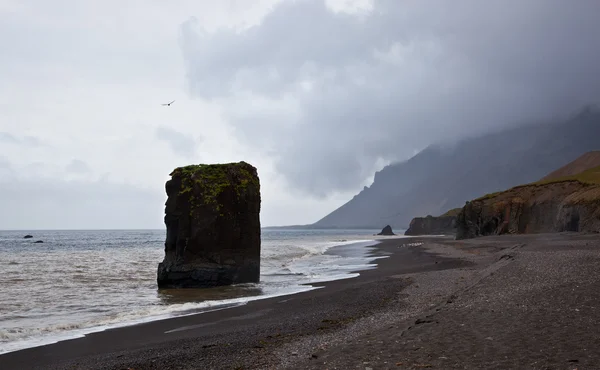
(508, 302)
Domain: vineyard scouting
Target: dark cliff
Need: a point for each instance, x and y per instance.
(212, 216)
(439, 178)
(442, 225)
(570, 203)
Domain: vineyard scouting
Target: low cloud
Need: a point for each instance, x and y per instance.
(6, 137)
(180, 143)
(58, 204)
(6, 169)
(331, 96)
(77, 167)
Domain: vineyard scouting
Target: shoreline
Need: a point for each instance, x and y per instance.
(103, 342)
(219, 304)
(517, 301)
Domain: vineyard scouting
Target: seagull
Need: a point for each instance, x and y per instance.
(168, 104)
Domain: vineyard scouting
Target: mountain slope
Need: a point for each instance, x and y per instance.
(439, 179)
(585, 162)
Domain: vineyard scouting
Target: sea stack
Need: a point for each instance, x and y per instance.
(212, 216)
(387, 230)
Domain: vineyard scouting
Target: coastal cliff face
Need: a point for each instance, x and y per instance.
(567, 205)
(212, 216)
(432, 225)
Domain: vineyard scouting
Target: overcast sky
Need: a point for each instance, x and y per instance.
(318, 95)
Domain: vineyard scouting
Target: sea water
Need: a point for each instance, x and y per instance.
(79, 282)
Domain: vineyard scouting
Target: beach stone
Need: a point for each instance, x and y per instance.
(387, 231)
(212, 217)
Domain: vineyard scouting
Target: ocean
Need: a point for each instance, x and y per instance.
(79, 282)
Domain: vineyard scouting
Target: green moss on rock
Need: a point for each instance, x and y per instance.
(452, 213)
(590, 177)
(208, 181)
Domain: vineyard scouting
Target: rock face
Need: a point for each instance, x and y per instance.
(212, 216)
(567, 199)
(387, 231)
(432, 225)
(536, 208)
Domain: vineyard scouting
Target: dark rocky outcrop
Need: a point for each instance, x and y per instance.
(536, 208)
(38, 241)
(387, 231)
(28, 236)
(430, 225)
(212, 216)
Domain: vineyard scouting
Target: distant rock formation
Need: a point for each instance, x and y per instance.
(38, 241)
(28, 236)
(569, 203)
(212, 216)
(387, 231)
(442, 225)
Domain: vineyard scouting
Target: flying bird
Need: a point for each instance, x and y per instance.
(168, 104)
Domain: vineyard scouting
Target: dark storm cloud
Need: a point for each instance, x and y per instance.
(181, 144)
(357, 89)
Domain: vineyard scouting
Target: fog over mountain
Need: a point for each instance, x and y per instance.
(441, 178)
(333, 96)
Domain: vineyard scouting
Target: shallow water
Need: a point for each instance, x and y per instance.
(78, 282)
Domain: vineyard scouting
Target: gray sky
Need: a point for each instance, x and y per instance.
(317, 94)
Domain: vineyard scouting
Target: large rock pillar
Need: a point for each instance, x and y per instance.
(212, 216)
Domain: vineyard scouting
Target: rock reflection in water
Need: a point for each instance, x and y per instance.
(175, 296)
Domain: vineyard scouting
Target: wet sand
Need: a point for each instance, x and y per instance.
(489, 303)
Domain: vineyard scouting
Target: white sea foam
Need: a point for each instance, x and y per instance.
(83, 282)
(33, 337)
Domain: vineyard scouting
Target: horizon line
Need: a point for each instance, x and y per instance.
(124, 229)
